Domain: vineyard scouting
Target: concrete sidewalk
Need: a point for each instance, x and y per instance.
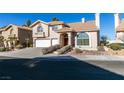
(99, 57)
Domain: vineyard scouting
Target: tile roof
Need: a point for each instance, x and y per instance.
(20, 27)
(120, 28)
(56, 23)
(79, 27)
(2, 29)
(38, 21)
(23, 27)
(65, 29)
(86, 26)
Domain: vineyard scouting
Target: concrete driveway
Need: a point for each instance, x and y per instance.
(23, 53)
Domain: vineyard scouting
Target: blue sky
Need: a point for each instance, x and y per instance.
(106, 19)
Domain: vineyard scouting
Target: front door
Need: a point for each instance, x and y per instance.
(65, 41)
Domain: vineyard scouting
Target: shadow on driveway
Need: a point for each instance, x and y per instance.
(53, 68)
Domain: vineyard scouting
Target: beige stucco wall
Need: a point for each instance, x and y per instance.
(49, 33)
(93, 41)
(120, 35)
(21, 34)
(45, 30)
(54, 34)
(6, 33)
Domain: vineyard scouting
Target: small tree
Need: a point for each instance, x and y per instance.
(27, 23)
(104, 40)
(55, 19)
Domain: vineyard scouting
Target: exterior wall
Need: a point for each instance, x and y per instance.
(48, 33)
(53, 33)
(38, 34)
(6, 33)
(23, 35)
(93, 41)
(120, 35)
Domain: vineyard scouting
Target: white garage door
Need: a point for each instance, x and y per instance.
(55, 42)
(43, 43)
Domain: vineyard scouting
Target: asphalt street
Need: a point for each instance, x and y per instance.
(55, 68)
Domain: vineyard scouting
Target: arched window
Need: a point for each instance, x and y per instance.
(39, 29)
(83, 39)
(11, 31)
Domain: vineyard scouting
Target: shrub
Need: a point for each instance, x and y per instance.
(115, 46)
(7, 49)
(2, 49)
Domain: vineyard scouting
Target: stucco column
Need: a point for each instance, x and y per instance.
(69, 39)
(9, 44)
(60, 39)
(5, 44)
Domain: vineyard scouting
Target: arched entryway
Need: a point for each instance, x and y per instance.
(64, 39)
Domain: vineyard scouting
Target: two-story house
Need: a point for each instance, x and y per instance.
(22, 35)
(83, 35)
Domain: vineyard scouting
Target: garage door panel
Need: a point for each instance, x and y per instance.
(55, 42)
(43, 43)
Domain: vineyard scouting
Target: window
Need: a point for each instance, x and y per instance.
(83, 39)
(40, 29)
(55, 27)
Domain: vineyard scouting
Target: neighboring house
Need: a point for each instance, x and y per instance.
(1, 38)
(16, 34)
(83, 35)
(1, 32)
(119, 27)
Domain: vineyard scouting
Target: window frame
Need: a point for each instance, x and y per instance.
(55, 27)
(83, 41)
(38, 29)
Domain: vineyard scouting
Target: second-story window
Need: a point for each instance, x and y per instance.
(40, 29)
(55, 27)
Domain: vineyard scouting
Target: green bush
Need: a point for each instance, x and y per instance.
(115, 46)
(2, 49)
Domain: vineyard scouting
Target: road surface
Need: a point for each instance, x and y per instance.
(57, 68)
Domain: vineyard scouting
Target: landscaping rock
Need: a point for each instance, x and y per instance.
(63, 50)
(50, 49)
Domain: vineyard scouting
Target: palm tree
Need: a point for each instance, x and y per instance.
(55, 19)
